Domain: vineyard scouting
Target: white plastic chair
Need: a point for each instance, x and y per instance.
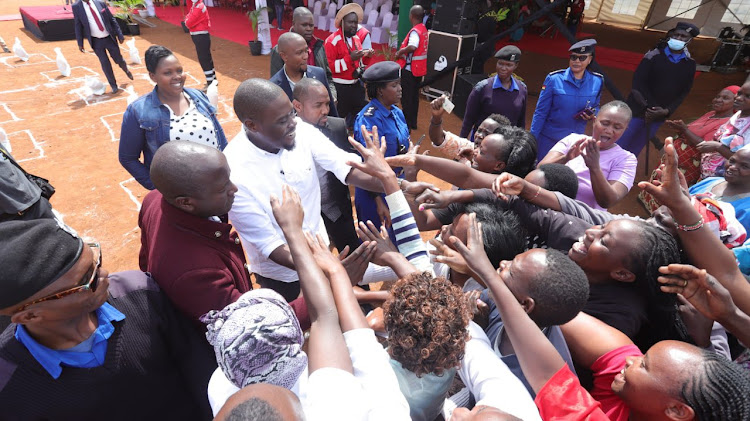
(381, 34)
(317, 6)
(372, 20)
(385, 7)
(361, 3)
(324, 21)
(368, 8)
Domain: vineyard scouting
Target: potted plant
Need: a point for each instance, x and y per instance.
(387, 51)
(255, 17)
(126, 15)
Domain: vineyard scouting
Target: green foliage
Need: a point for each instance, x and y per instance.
(255, 16)
(127, 8)
(387, 50)
(499, 15)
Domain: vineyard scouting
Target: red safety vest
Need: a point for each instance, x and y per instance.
(418, 58)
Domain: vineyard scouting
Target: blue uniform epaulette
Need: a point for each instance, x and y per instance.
(598, 74)
(370, 111)
(557, 71)
(482, 83)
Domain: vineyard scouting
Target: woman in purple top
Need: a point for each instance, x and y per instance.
(605, 171)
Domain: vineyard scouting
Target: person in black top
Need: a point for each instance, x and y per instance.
(660, 84)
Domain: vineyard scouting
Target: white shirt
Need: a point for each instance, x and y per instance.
(95, 32)
(413, 42)
(259, 174)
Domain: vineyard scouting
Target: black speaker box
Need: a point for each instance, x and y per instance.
(456, 17)
(462, 89)
(444, 50)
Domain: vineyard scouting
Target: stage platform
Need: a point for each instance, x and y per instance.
(49, 23)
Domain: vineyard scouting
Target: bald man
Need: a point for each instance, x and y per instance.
(186, 242)
(303, 23)
(294, 53)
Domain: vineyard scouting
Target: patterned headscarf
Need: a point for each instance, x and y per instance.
(257, 339)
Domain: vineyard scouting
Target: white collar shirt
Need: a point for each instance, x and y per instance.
(95, 31)
(258, 174)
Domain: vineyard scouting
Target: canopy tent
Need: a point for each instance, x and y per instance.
(710, 15)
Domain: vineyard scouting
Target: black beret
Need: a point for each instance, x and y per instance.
(33, 254)
(691, 29)
(384, 71)
(509, 53)
(585, 46)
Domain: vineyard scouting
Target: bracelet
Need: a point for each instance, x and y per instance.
(689, 228)
(436, 124)
(538, 190)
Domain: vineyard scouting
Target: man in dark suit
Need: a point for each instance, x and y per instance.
(293, 51)
(311, 101)
(95, 22)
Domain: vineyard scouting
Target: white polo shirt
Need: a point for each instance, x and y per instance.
(258, 174)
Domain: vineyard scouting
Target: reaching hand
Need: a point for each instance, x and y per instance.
(656, 113)
(402, 161)
(480, 311)
(708, 146)
(289, 214)
(466, 153)
(356, 262)
(326, 261)
(410, 173)
(507, 184)
(591, 154)
(373, 153)
(678, 125)
(436, 106)
(473, 252)
(415, 188)
(699, 288)
(450, 257)
(432, 199)
(384, 245)
(669, 191)
(383, 212)
(577, 149)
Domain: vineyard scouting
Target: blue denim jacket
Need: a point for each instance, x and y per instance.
(145, 127)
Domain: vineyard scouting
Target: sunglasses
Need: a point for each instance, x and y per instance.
(576, 57)
(89, 284)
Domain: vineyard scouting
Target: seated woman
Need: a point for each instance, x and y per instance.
(729, 138)
(170, 112)
(605, 171)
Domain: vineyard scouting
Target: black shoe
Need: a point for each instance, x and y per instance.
(130, 75)
(114, 89)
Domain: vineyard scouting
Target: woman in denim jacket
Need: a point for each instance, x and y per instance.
(169, 112)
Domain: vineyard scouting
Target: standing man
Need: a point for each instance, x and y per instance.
(198, 23)
(412, 56)
(303, 23)
(294, 53)
(93, 21)
(345, 53)
(500, 94)
(660, 84)
(311, 101)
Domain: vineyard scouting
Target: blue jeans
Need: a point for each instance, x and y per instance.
(637, 134)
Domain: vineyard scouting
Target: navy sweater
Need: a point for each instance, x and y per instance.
(661, 82)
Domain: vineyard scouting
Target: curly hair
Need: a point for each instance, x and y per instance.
(426, 319)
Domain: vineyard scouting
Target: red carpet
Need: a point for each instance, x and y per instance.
(234, 26)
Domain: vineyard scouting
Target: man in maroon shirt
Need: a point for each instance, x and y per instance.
(186, 242)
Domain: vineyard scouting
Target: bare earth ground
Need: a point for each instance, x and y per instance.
(60, 133)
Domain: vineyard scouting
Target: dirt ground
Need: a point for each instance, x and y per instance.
(59, 132)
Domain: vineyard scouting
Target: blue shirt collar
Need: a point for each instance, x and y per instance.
(497, 84)
(381, 108)
(675, 57)
(52, 359)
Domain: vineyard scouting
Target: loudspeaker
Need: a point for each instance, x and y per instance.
(445, 49)
(464, 85)
(456, 17)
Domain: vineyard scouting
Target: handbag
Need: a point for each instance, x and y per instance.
(44, 185)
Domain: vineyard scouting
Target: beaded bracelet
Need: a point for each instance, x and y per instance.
(693, 227)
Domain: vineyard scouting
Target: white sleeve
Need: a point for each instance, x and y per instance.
(329, 156)
(334, 394)
(491, 381)
(219, 390)
(377, 273)
(413, 39)
(367, 42)
(254, 225)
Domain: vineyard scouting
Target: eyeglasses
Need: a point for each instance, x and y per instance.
(91, 284)
(576, 57)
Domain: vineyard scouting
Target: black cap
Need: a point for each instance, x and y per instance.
(509, 53)
(33, 254)
(691, 29)
(384, 71)
(585, 46)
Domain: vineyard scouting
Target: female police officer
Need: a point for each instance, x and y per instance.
(383, 83)
(568, 99)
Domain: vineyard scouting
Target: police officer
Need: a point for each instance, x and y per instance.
(568, 100)
(383, 84)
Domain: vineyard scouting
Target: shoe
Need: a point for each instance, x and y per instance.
(130, 75)
(114, 89)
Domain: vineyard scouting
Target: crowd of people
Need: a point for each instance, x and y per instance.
(532, 302)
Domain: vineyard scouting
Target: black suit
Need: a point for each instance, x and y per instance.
(336, 206)
(313, 72)
(100, 45)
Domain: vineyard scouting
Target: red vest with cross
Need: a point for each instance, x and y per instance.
(419, 56)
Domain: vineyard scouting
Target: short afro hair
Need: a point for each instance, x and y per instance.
(302, 87)
(253, 96)
(426, 319)
(254, 409)
(560, 292)
(499, 119)
(618, 106)
(560, 178)
(503, 234)
(155, 54)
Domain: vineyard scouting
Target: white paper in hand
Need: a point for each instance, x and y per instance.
(448, 106)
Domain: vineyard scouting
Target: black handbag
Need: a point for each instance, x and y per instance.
(44, 185)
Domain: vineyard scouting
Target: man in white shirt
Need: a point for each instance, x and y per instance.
(277, 148)
(93, 21)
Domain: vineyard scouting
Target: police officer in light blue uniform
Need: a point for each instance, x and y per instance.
(568, 100)
(383, 83)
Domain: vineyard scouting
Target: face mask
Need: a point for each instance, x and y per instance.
(675, 44)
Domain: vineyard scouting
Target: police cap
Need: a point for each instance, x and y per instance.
(585, 46)
(509, 53)
(384, 71)
(691, 29)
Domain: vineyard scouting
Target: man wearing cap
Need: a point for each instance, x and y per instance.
(569, 98)
(294, 52)
(303, 23)
(87, 345)
(660, 84)
(344, 51)
(500, 94)
(412, 56)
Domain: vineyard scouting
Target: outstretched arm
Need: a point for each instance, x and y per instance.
(453, 172)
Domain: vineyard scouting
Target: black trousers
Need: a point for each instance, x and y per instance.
(342, 233)
(203, 48)
(101, 46)
(351, 100)
(410, 97)
(288, 290)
